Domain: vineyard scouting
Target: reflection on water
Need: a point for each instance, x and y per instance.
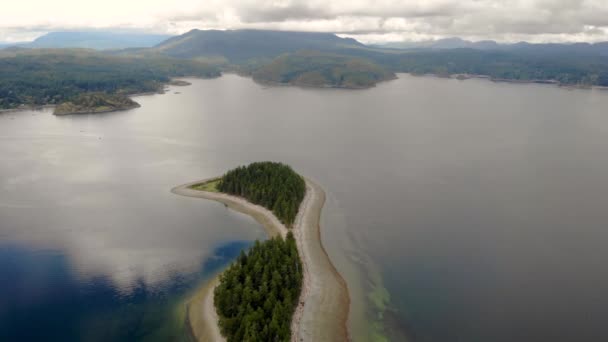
(457, 211)
(45, 300)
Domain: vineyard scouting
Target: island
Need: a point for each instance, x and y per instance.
(90, 103)
(283, 289)
(322, 70)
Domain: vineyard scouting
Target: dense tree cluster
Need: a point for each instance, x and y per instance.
(259, 292)
(95, 102)
(40, 77)
(272, 185)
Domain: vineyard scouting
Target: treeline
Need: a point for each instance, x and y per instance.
(566, 67)
(259, 292)
(41, 77)
(272, 185)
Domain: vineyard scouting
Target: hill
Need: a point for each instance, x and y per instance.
(315, 69)
(240, 46)
(99, 40)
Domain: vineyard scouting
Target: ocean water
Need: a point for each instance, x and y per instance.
(457, 210)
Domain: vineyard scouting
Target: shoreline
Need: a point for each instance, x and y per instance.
(92, 111)
(266, 83)
(461, 77)
(464, 77)
(162, 90)
(322, 311)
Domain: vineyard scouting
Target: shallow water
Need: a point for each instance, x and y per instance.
(460, 211)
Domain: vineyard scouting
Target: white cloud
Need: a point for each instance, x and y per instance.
(380, 20)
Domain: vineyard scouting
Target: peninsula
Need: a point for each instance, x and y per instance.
(90, 103)
(321, 311)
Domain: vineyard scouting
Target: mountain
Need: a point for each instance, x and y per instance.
(99, 40)
(4, 45)
(238, 46)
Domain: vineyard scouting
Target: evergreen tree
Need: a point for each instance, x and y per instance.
(272, 185)
(258, 293)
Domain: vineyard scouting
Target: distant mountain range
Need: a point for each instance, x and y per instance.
(324, 59)
(458, 43)
(98, 40)
(237, 46)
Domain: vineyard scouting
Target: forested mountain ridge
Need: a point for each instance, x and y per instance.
(274, 186)
(599, 48)
(241, 46)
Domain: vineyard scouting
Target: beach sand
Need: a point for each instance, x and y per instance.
(322, 312)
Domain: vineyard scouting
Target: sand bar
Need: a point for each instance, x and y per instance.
(322, 312)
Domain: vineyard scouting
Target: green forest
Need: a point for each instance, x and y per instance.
(315, 69)
(272, 185)
(259, 292)
(95, 103)
(42, 77)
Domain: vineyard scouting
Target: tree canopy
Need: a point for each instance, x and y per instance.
(272, 185)
(259, 292)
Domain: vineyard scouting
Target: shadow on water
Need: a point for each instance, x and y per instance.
(42, 298)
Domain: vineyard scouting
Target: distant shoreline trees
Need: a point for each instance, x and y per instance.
(274, 186)
(50, 77)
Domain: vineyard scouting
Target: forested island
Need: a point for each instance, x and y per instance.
(95, 103)
(268, 293)
(258, 293)
(272, 185)
(315, 69)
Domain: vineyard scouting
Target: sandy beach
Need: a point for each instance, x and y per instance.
(324, 302)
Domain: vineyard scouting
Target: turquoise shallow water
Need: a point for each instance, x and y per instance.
(460, 211)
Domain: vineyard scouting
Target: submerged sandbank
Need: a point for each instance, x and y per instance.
(322, 312)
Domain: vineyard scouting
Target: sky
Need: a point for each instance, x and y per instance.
(368, 21)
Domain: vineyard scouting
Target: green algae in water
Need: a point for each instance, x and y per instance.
(379, 298)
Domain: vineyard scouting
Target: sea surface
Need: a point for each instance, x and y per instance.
(457, 210)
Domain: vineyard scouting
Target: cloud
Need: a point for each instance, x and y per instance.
(380, 20)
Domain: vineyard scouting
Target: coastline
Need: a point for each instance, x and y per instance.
(93, 111)
(464, 77)
(322, 312)
(268, 83)
(162, 90)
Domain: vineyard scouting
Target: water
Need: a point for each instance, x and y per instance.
(460, 211)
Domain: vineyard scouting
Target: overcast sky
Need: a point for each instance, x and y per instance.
(368, 21)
